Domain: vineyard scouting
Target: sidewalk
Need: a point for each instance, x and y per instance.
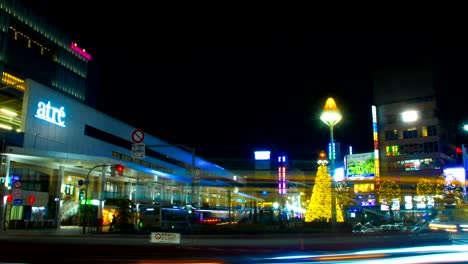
(61, 231)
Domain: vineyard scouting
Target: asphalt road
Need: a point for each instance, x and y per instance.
(71, 246)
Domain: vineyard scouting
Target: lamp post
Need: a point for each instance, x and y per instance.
(465, 163)
(195, 179)
(86, 182)
(331, 116)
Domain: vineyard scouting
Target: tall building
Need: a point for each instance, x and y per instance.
(32, 48)
(415, 137)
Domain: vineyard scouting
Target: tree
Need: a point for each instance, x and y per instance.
(319, 209)
(344, 196)
(434, 188)
(439, 190)
(124, 215)
(455, 189)
(425, 189)
(388, 192)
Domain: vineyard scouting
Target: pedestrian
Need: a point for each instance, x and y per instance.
(112, 224)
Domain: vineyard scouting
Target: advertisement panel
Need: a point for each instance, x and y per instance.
(360, 166)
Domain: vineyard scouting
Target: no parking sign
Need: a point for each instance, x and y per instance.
(138, 136)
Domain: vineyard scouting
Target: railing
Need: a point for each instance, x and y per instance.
(31, 224)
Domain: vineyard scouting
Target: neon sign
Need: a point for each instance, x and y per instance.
(77, 49)
(50, 114)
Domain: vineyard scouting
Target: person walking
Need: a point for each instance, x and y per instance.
(112, 224)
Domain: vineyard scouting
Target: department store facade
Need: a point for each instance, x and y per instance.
(65, 147)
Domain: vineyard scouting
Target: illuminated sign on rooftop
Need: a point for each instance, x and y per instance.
(82, 52)
(262, 155)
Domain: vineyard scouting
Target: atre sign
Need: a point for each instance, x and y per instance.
(51, 114)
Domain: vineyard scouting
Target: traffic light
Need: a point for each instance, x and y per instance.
(32, 199)
(117, 170)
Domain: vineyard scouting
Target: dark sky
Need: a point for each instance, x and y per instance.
(227, 86)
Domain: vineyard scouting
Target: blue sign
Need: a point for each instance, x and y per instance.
(18, 201)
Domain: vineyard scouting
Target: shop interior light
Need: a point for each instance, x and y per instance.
(3, 126)
(8, 112)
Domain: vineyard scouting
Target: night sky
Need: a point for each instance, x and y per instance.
(228, 87)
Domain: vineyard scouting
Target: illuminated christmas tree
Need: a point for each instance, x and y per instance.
(320, 209)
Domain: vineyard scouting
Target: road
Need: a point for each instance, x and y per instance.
(73, 247)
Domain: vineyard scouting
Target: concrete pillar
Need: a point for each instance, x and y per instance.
(58, 196)
(465, 166)
(101, 197)
(4, 172)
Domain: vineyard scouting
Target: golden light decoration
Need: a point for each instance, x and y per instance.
(322, 159)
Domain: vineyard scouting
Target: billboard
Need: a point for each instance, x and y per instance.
(360, 166)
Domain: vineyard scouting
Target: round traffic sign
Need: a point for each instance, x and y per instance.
(138, 135)
(17, 184)
(157, 236)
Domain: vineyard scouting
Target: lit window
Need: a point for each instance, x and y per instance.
(409, 116)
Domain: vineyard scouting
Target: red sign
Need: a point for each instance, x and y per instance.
(138, 136)
(17, 184)
(32, 199)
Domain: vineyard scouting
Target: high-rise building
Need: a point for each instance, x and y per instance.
(414, 137)
(32, 48)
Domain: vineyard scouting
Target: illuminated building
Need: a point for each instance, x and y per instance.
(53, 143)
(412, 139)
(33, 48)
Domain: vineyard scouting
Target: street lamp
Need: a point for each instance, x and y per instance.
(464, 128)
(331, 116)
(195, 179)
(86, 183)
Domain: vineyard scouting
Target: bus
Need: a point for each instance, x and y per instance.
(210, 216)
(163, 218)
